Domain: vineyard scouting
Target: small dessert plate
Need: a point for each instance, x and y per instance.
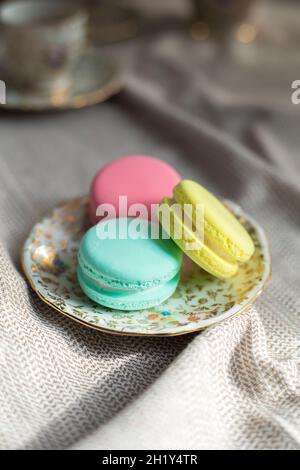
(95, 78)
(49, 261)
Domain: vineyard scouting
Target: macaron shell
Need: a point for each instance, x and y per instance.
(135, 300)
(128, 263)
(143, 179)
(220, 225)
(202, 254)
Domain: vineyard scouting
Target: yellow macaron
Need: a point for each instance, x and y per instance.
(224, 240)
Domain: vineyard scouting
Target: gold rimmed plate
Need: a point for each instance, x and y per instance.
(49, 261)
(95, 78)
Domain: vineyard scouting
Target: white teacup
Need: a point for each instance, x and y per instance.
(40, 41)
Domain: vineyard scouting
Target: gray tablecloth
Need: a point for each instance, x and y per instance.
(233, 386)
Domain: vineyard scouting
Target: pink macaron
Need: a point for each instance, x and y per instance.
(133, 180)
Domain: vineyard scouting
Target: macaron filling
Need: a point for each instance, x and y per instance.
(219, 243)
(127, 300)
(203, 252)
(110, 283)
(221, 227)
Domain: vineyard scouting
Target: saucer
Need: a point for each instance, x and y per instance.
(49, 262)
(95, 79)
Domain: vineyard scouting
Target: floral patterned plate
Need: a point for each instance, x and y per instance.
(49, 261)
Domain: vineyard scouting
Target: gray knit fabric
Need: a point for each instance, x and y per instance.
(233, 386)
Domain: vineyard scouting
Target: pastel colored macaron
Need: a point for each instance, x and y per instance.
(222, 241)
(121, 267)
(141, 179)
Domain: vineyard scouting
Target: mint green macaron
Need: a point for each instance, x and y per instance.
(124, 268)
